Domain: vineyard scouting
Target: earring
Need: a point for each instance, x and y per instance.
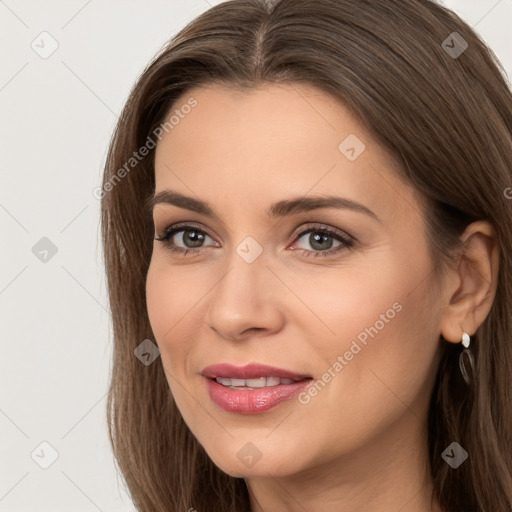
(466, 353)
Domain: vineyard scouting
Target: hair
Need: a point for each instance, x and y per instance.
(447, 120)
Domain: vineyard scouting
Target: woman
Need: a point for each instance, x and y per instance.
(306, 214)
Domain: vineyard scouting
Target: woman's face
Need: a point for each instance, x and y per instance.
(276, 289)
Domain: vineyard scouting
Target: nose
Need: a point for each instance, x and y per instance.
(246, 302)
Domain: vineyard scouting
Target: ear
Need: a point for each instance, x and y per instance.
(470, 286)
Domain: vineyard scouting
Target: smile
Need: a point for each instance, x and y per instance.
(260, 382)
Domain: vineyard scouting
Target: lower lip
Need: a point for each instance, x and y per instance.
(252, 401)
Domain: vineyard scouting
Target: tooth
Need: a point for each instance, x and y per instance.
(256, 383)
(273, 381)
(259, 382)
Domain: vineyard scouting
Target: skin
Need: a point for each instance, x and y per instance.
(360, 444)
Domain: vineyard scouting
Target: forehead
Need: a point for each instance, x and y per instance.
(268, 118)
(273, 142)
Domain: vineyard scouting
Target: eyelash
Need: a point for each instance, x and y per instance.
(348, 242)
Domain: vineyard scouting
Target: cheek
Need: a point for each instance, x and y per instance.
(388, 347)
(384, 328)
(159, 302)
(171, 293)
(360, 305)
(167, 304)
(168, 300)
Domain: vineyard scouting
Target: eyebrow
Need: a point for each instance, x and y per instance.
(278, 209)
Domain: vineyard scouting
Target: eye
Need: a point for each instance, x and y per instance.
(191, 235)
(320, 239)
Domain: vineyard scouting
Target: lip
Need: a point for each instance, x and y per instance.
(250, 371)
(252, 401)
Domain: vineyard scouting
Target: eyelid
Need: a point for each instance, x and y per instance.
(183, 225)
(304, 228)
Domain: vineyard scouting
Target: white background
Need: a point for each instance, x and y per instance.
(57, 115)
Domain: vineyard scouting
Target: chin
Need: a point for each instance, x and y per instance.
(243, 467)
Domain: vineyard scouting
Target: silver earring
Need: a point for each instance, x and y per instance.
(466, 353)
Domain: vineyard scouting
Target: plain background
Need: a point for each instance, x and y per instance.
(57, 115)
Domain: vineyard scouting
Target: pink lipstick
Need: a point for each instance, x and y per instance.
(252, 388)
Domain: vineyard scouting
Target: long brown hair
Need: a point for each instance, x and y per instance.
(442, 109)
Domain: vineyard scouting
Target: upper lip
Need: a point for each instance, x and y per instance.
(250, 371)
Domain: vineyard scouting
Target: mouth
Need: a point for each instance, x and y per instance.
(253, 388)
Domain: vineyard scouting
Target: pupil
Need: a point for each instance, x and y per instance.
(318, 239)
(195, 238)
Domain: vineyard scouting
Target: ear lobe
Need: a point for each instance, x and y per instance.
(471, 286)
